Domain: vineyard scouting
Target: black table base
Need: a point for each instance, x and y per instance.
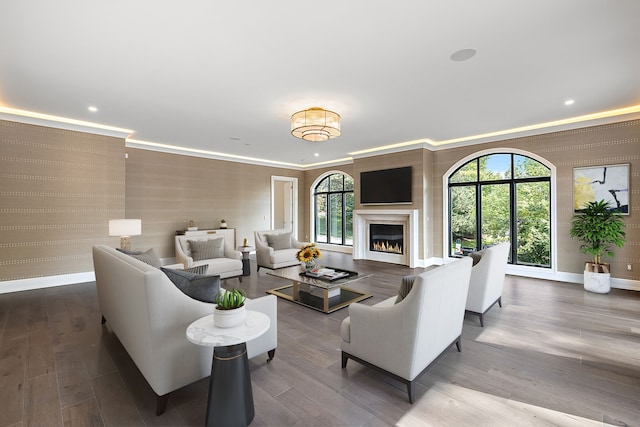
(230, 395)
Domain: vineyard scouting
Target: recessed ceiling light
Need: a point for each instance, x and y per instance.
(316, 154)
(569, 102)
(463, 55)
(92, 109)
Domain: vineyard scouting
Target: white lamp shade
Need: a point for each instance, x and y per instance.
(125, 227)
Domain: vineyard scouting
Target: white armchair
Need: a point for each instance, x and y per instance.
(403, 340)
(487, 280)
(280, 253)
(226, 264)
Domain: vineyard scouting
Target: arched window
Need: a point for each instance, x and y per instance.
(502, 197)
(333, 210)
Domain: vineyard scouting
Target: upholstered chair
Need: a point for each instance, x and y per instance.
(276, 248)
(487, 279)
(403, 339)
(211, 250)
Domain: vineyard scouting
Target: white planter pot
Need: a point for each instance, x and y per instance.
(229, 318)
(597, 282)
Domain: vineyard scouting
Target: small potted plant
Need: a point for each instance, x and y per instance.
(230, 308)
(223, 223)
(598, 226)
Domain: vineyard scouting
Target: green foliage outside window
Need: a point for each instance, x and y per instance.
(514, 196)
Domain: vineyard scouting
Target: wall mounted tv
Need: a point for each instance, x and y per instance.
(386, 186)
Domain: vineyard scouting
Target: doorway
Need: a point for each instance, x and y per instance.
(284, 203)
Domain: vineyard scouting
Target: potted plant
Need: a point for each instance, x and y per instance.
(230, 308)
(598, 227)
(223, 223)
(307, 256)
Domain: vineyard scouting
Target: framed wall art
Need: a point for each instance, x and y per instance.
(609, 183)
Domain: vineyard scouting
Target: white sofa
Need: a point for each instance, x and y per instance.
(150, 315)
(487, 280)
(403, 340)
(230, 265)
(273, 258)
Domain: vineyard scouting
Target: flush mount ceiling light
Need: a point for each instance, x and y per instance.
(315, 124)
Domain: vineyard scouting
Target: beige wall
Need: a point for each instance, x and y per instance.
(58, 189)
(598, 145)
(167, 190)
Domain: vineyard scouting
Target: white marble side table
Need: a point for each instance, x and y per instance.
(230, 395)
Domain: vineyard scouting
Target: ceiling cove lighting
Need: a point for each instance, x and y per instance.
(315, 124)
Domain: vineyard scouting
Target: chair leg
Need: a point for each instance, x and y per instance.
(459, 345)
(345, 358)
(103, 321)
(500, 302)
(240, 279)
(411, 388)
(271, 353)
(161, 404)
(258, 268)
(481, 316)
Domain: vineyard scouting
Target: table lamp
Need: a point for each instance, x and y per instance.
(125, 228)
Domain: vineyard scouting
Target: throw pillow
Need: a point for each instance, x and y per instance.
(279, 241)
(196, 286)
(207, 249)
(148, 257)
(405, 287)
(476, 257)
(199, 269)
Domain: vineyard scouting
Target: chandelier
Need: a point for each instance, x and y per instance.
(315, 124)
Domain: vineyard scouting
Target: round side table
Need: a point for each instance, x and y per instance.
(246, 263)
(230, 396)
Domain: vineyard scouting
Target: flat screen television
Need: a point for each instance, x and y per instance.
(386, 186)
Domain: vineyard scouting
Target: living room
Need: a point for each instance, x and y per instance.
(65, 174)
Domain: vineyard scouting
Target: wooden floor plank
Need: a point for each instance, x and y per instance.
(552, 355)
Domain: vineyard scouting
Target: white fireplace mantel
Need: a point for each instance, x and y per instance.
(407, 217)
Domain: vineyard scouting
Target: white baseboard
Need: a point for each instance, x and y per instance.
(45, 282)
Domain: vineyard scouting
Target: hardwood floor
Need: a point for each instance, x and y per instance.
(552, 355)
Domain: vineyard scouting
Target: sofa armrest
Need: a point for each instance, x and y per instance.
(229, 252)
(370, 324)
(295, 243)
(181, 256)
(269, 340)
(264, 250)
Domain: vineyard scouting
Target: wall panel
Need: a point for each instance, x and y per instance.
(58, 189)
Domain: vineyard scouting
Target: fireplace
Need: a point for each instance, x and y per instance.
(399, 229)
(386, 238)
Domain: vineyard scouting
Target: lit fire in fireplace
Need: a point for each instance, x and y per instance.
(387, 247)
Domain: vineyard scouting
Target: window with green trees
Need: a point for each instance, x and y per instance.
(333, 204)
(502, 197)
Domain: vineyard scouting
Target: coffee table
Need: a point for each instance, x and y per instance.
(319, 294)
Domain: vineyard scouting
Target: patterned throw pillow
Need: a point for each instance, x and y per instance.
(207, 249)
(148, 257)
(199, 269)
(198, 287)
(405, 287)
(279, 241)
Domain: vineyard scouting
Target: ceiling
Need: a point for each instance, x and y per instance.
(225, 77)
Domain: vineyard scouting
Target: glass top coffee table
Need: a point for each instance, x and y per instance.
(319, 293)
